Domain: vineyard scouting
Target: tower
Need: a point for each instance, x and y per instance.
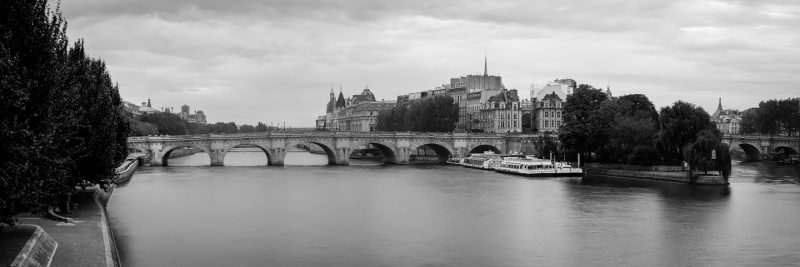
(485, 66)
(331, 102)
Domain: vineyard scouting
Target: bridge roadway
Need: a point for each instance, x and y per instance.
(758, 147)
(396, 147)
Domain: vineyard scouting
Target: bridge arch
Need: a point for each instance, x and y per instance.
(752, 152)
(165, 152)
(329, 149)
(443, 151)
(270, 154)
(388, 150)
(483, 148)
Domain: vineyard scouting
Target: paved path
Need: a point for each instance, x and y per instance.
(84, 242)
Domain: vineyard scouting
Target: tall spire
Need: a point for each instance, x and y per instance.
(485, 65)
(719, 107)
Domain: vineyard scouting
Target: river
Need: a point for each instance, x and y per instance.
(375, 215)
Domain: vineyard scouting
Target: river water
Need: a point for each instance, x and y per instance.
(445, 216)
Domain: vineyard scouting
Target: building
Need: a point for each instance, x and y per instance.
(470, 92)
(131, 108)
(548, 113)
(547, 101)
(527, 115)
(501, 113)
(147, 108)
(728, 121)
(477, 82)
(358, 113)
(198, 116)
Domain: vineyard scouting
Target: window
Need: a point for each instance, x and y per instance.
(546, 114)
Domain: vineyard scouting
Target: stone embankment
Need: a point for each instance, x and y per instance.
(672, 174)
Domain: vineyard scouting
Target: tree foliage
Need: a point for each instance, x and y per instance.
(580, 131)
(679, 125)
(62, 120)
(708, 153)
(437, 114)
(246, 128)
(545, 145)
(772, 117)
(167, 123)
(626, 127)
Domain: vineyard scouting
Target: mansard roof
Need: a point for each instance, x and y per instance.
(374, 106)
(551, 96)
(365, 95)
(504, 96)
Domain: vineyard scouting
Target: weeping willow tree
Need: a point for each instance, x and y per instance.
(708, 153)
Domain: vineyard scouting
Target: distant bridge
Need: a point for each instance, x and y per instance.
(397, 148)
(758, 147)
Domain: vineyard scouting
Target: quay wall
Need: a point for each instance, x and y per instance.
(38, 251)
(671, 174)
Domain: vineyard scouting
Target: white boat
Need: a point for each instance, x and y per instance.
(530, 166)
(455, 161)
(486, 161)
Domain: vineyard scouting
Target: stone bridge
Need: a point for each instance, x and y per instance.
(758, 147)
(396, 147)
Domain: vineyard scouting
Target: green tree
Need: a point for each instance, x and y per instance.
(750, 121)
(579, 132)
(544, 145)
(246, 128)
(230, 128)
(167, 123)
(625, 128)
(436, 114)
(678, 127)
(62, 118)
(261, 127)
(708, 153)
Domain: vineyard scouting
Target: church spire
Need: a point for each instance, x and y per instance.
(485, 66)
(719, 107)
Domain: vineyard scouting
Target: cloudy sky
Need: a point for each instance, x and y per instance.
(249, 60)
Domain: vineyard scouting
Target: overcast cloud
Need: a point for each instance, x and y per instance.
(249, 61)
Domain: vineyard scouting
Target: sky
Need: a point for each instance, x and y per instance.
(276, 61)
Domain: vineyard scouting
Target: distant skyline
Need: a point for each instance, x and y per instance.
(247, 61)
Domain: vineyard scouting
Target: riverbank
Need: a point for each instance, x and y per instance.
(670, 174)
(86, 240)
(82, 238)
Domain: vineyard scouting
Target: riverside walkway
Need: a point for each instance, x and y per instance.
(86, 241)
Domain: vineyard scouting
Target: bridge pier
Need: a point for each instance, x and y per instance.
(341, 156)
(217, 157)
(276, 156)
(156, 159)
(402, 155)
